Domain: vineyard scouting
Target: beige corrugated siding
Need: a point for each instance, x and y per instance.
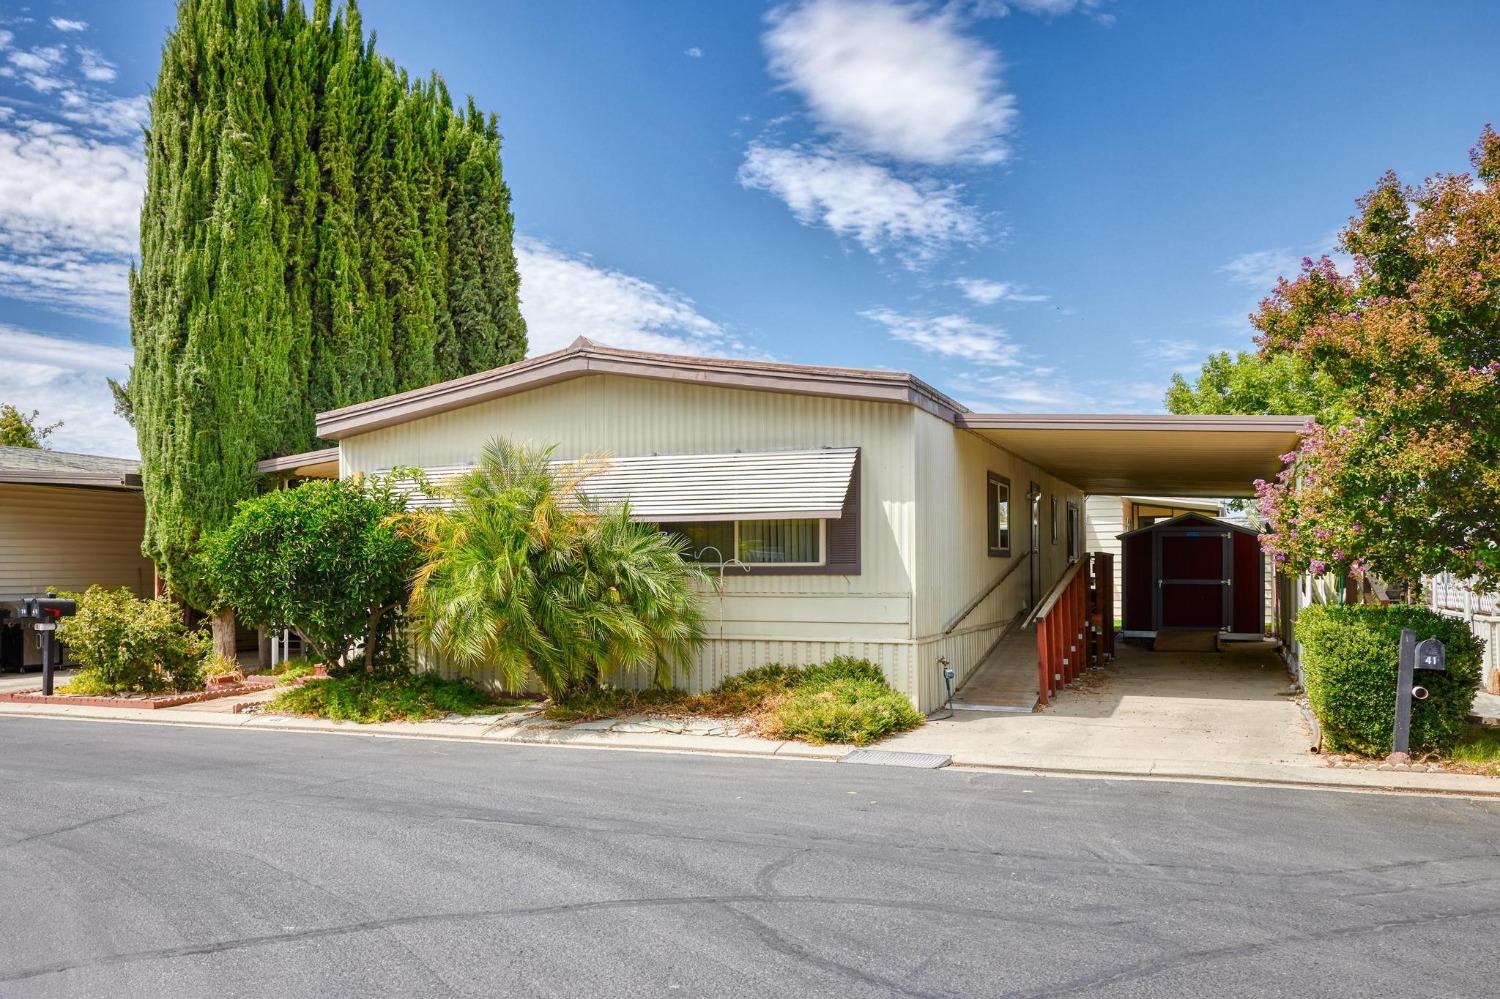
(1104, 522)
(753, 485)
(955, 565)
(71, 537)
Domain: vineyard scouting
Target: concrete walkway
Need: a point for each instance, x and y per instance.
(1148, 710)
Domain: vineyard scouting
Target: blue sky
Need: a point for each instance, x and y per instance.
(1042, 205)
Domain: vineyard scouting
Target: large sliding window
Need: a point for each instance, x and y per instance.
(754, 542)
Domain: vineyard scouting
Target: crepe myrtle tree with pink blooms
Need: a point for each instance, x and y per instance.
(1401, 475)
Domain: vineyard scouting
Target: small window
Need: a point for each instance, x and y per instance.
(1073, 532)
(753, 542)
(1054, 520)
(997, 508)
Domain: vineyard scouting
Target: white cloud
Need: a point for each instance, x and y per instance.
(64, 379)
(1045, 8)
(982, 291)
(121, 116)
(60, 188)
(693, 53)
(565, 296)
(37, 60)
(1261, 269)
(69, 207)
(950, 336)
(63, 24)
(894, 79)
(6, 37)
(94, 66)
(863, 200)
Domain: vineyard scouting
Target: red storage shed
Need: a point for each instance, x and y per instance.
(1193, 572)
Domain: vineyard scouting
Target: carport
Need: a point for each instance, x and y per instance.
(1072, 626)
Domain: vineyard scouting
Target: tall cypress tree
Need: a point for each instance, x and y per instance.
(311, 217)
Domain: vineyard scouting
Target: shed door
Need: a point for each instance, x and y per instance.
(1193, 573)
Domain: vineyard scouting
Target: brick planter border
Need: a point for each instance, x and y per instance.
(250, 686)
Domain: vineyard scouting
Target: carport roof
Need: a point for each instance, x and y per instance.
(1157, 454)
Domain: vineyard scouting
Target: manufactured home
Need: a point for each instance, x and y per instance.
(853, 512)
(67, 521)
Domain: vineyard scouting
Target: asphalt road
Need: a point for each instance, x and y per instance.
(143, 860)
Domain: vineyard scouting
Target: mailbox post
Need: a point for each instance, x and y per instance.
(41, 614)
(1429, 654)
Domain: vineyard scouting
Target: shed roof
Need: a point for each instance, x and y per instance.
(39, 466)
(1185, 520)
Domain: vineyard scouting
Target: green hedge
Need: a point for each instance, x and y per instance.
(1349, 664)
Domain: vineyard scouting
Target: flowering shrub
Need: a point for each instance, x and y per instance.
(128, 644)
(1406, 481)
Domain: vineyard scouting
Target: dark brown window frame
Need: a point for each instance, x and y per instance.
(1054, 520)
(992, 516)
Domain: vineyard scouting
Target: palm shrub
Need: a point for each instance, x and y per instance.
(525, 575)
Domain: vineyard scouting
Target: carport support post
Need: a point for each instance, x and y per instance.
(1401, 737)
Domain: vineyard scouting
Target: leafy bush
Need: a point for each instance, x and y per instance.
(321, 558)
(524, 574)
(216, 666)
(1349, 661)
(842, 700)
(391, 697)
(88, 683)
(128, 644)
(842, 710)
(293, 669)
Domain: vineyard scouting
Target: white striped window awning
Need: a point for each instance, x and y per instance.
(735, 485)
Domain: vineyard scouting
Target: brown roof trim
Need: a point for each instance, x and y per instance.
(71, 477)
(291, 462)
(1132, 421)
(583, 357)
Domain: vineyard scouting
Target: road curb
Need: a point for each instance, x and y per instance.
(1446, 785)
(560, 739)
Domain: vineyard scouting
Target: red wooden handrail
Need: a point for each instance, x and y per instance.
(1070, 634)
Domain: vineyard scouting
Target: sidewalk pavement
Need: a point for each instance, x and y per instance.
(506, 729)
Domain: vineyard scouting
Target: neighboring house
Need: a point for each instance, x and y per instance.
(1108, 517)
(1454, 597)
(877, 517)
(67, 521)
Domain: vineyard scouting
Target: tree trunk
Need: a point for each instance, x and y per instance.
(222, 625)
(373, 635)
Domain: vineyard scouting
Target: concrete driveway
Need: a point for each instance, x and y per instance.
(1147, 710)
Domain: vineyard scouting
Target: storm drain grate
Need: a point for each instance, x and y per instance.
(888, 758)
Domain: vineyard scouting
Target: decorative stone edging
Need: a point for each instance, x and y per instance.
(1362, 763)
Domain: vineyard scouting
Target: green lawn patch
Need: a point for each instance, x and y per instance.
(1479, 747)
(843, 700)
(390, 697)
(289, 670)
